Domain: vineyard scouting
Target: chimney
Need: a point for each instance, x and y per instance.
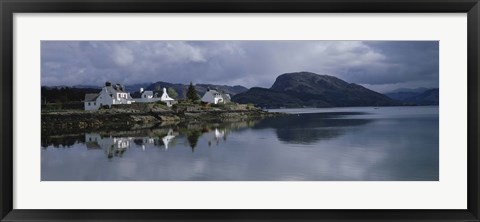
(141, 90)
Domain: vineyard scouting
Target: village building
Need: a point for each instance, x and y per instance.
(215, 97)
(166, 98)
(144, 96)
(108, 96)
(116, 94)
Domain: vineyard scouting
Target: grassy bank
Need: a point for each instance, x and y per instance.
(138, 116)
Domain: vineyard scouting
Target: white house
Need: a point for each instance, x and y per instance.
(109, 96)
(116, 94)
(166, 98)
(215, 97)
(144, 96)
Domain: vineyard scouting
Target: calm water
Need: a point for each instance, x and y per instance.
(339, 144)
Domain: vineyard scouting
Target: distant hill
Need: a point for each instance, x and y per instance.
(414, 90)
(181, 89)
(425, 97)
(85, 87)
(128, 88)
(306, 89)
(267, 98)
(136, 87)
(402, 96)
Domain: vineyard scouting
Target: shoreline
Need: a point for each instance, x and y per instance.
(116, 119)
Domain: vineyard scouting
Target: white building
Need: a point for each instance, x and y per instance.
(166, 98)
(215, 97)
(109, 96)
(144, 96)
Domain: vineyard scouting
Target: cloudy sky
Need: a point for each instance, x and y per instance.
(378, 65)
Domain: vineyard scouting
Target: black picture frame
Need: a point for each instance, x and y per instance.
(9, 7)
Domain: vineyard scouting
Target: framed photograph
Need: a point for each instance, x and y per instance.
(239, 110)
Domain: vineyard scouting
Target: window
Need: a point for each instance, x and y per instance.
(89, 103)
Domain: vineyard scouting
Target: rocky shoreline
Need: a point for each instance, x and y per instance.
(106, 120)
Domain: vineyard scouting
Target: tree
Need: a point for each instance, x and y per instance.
(192, 139)
(172, 93)
(192, 93)
(157, 87)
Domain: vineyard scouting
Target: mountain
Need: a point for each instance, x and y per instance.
(402, 96)
(86, 87)
(181, 89)
(136, 87)
(425, 97)
(267, 98)
(128, 88)
(306, 89)
(409, 90)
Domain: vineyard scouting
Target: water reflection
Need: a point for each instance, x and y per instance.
(387, 145)
(292, 129)
(114, 144)
(310, 128)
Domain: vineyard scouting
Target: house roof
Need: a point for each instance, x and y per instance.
(148, 93)
(138, 94)
(89, 97)
(110, 90)
(216, 93)
(226, 96)
(118, 87)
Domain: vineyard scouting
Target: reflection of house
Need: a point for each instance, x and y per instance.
(219, 134)
(115, 146)
(94, 140)
(109, 96)
(215, 97)
(116, 94)
(168, 138)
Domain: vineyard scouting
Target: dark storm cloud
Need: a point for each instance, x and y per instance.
(380, 65)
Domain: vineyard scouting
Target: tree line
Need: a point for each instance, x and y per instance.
(69, 94)
(65, 94)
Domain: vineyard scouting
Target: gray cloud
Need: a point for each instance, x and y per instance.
(379, 65)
